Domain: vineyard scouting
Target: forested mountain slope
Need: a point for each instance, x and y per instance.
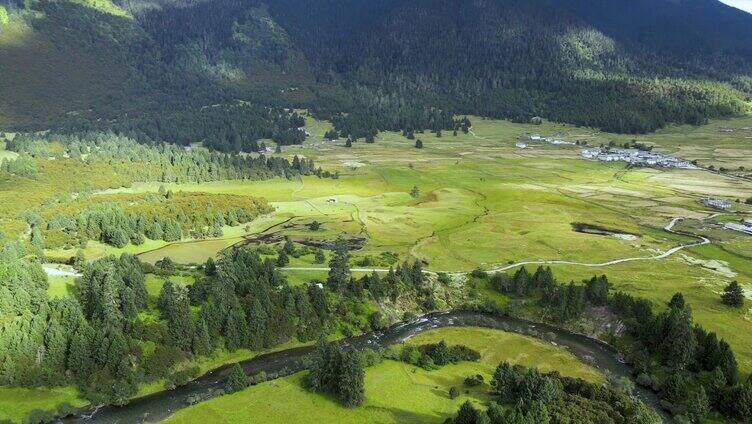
(623, 66)
(150, 66)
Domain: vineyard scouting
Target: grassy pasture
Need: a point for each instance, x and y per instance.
(60, 286)
(484, 202)
(16, 403)
(189, 251)
(497, 346)
(395, 392)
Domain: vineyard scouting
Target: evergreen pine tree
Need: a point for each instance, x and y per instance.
(319, 257)
(350, 382)
(339, 267)
(237, 380)
(201, 341)
(733, 295)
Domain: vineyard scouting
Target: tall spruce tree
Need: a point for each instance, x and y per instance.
(339, 267)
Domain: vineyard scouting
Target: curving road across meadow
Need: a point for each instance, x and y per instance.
(669, 227)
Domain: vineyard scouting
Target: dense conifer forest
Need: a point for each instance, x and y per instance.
(221, 71)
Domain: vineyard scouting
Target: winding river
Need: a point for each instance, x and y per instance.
(158, 406)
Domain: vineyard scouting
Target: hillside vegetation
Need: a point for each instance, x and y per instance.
(153, 68)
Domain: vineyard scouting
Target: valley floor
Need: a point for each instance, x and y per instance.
(477, 201)
(483, 202)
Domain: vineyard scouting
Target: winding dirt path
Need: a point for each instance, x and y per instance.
(669, 227)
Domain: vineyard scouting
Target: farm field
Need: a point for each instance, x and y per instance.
(395, 392)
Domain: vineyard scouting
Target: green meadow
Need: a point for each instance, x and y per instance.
(395, 392)
(16, 403)
(485, 203)
(481, 202)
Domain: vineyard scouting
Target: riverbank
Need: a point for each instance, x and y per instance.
(159, 406)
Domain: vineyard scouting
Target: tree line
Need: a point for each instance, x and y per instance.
(567, 302)
(161, 161)
(120, 219)
(519, 61)
(527, 396)
(693, 370)
(228, 128)
(97, 338)
(435, 355)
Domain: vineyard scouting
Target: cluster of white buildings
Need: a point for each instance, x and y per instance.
(716, 203)
(550, 140)
(636, 157)
(744, 227)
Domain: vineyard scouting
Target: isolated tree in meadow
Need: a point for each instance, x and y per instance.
(733, 295)
(418, 144)
(314, 226)
(289, 246)
(319, 257)
(415, 192)
(453, 392)
(348, 143)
